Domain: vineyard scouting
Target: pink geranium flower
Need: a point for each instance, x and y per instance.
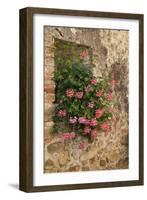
(72, 135)
(79, 95)
(93, 122)
(89, 88)
(105, 127)
(82, 120)
(81, 145)
(87, 122)
(98, 113)
(90, 105)
(99, 93)
(83, 54)
(94, 133)
(73, 120)
(113, 82)
(93, 81)
(87, 129)
(62, 113)
(69, 93)
(67, 136)
(109, 96)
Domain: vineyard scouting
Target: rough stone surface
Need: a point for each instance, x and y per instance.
(49, 164)
(87, 155)
(55, 147)
(64, 157)
(107, 151)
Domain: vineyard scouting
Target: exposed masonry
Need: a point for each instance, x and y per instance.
(110, 55)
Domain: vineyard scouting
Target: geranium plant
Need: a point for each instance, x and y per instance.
(82, 100)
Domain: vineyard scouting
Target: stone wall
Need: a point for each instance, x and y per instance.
(110, 55)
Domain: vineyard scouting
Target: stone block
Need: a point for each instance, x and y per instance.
(88, 154)
(56, 147)
(48, 72)
(64, 157)
(49, 164)
(49, 98)
(74, 168)
(48, 111)
(49, 61)
(48, 125)
(49, 88)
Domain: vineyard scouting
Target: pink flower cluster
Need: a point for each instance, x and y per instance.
(93, 81)
(113, 82)
(67, 136)
(89, 126)
(89, 88)
(87, 122)
(109, 96)
(94, 133)
(98, 113)
(81, 145)
(88, 130)
(79, 95)
(92, 122)
(90, 104)
(82, 120)
(62, 113)
(99, 93)
(73, 120)
(69, 93)
(105, 127)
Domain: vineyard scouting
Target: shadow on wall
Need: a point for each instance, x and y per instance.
(14, 185)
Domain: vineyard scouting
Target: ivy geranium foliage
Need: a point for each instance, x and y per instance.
(82, 100)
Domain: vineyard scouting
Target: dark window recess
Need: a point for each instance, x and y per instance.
(69, 51)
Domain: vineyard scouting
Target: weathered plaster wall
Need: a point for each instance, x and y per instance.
(110, 55)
